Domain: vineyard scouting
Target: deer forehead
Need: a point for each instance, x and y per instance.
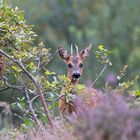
(75, 60)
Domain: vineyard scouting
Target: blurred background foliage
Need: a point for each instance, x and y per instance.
(113, 23)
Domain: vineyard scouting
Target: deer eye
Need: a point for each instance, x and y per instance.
(70, 65)
(80, 65)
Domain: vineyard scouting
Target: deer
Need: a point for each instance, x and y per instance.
(74, 64)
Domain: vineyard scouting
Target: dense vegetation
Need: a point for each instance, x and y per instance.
(30, 89)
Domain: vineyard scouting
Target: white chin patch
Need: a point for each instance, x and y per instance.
(75, 79)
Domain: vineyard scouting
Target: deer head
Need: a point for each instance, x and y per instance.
(74, 62)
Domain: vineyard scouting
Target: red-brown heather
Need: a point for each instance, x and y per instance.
(88, 96)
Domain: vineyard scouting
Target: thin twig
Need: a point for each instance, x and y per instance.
(1, 90)
(11, 86)
(32, 110)
(49, 60)
(30, 104)
(99, 75)
(39, 61)
(54, 100)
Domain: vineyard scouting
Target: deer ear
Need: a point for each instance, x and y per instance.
(63, 53)
(85, 52)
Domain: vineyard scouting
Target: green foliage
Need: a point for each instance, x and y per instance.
(102, 55)
(125, 87)
(25, 59)
(15, 33)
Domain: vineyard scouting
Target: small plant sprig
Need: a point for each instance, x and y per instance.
(128, 85)
(102, 56)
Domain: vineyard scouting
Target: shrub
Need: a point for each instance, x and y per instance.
(113, 119)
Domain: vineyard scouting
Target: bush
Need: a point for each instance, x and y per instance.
(113, 119)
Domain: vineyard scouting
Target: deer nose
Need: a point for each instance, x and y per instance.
(76, 75)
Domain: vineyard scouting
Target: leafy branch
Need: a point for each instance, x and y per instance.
(102, 55)
(36, 84)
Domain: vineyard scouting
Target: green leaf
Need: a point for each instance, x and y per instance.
(26, 122)
(47, 72)
(17, 69)
(101, 47)
(43, 118)
(137, 93)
